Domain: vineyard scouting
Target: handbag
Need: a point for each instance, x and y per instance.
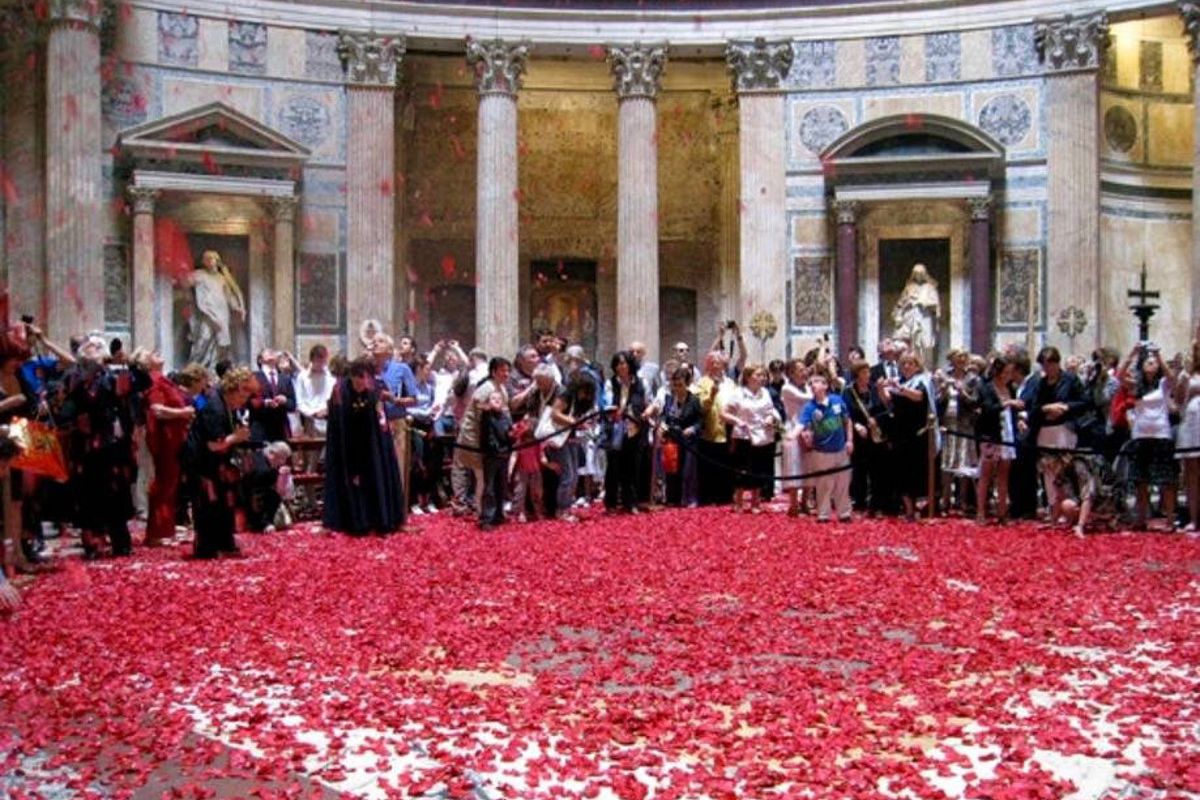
(872, 423)
(546, 433)
(670, 457)
(41, 453)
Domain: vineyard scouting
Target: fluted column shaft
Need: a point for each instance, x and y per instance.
(74, 221)
(846, 279)
(1190, 11)
(728, 278)
(145, 332)
(637, 224)
(24, 165)
(497, 235)
(981, 276)
(283, 316)
(763, 251)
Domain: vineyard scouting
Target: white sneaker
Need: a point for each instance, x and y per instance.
(416, 511)
(431, 509)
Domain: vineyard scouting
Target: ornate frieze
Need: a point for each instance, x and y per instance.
(248, 48)
(637, 69)
(85, 13)
(758, 65)
(142, 199)
(499, 66)
(846, 211)
(1190, 11)
(1072, 43)
(370, 58)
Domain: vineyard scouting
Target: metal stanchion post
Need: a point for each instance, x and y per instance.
(931, 451)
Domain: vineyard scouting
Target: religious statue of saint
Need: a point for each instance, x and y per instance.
(218, 299)
(916, 314)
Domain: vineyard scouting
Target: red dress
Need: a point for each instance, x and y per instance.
(165, 438)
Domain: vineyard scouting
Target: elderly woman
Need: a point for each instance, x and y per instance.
(565, 451)
(909, 398)
(754, 420)
(626, 434)
(679, 423)
(215, 436)
(169, 414)
(957, 403)
(712, 390)
(870, 459)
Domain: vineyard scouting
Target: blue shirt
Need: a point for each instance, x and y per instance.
(827, 421)
(397, 378)
(38, 370)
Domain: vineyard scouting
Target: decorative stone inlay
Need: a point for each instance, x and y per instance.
(1018, 271)
(123, 102)
(86, 13)
(637, 69)
(1006, 117)
(846, 211)
(318, 288)
(283, 209)
(499, 65)
(1190, 11)
(943, 56)
(1072, 43)
(370, 59)
(142, 198)
(980, 208)
(1150, 66)
(759, 64)
(1120, 129)
(178, 39)
(883, 60)
(117, 286)
(1013, 51)
(822, 125)
(306, 119)
(321, 59)
(248, 48)
(814, 65)
(813, 291)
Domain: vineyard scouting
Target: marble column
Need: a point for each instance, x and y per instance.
(1071, 50)
(980, 248)
(728, 280)
(145, 332)
(283, 312)
(74, 209)
(1190, 11)
(846, 277)
(637, 74)
(24, 163)
(759, 69)
(499, 68)
(371, 62)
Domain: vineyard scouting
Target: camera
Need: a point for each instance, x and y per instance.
(27, 319)
(731, 324)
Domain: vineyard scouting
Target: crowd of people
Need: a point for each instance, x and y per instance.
(391, 433)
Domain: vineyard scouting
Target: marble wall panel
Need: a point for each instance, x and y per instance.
(1161, 239)
(1122, 137)
(1170, 134)
(948, 104)
(1176, 68)
(324, 186)
(213, 45)
(178, 39)
(314, 117)
(1021, 224)
(851, 63)
(814, 65)
(812, 291)
(247, 48)
(943, 56)
(1013, 51)
(810, 231)
(320, 291)
(137, 35)
(321, 56)
(1020, 268)
(286, 53)
(118, 287)
(1150, 66)
(125, 99)
(181, 94)
(816, 124)
(883, 60)
(976, 55)
(1010, 115)
(912, 59)
(318, 231)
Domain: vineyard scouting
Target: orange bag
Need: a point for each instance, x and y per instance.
(670, 457)
(41, 453)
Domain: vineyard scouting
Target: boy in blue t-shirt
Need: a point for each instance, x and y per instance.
(826, 432)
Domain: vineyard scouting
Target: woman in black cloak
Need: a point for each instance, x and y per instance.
(363, 489)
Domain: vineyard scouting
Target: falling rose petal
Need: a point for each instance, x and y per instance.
(914, 121)
(597, 52)
(411, 274)
(411, 316)
(385, 187)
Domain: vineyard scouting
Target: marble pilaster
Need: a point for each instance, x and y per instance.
(637, 75)
(142, 201)
(24, 162)
(1190, 11)
(371, 62)
(758, 70)
(980, 249)
(499, 67)
(283, 316)
(1072, 51)
(846, 278)
(74, 209)
(728, 277)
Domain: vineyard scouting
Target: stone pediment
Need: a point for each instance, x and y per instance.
(213, 133)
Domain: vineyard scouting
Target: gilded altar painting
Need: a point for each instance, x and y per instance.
(563, 300)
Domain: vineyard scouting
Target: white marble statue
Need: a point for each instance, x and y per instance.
(218, 300)
(917, 312)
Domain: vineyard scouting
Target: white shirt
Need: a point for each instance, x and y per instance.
(312, 394)
(1150, 418)
(756, 415)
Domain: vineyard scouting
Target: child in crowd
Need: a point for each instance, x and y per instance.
(528, 461)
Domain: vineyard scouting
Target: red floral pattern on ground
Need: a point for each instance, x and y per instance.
(683, 654)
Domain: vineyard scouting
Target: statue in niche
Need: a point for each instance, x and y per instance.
(916, 314)
(218, 300)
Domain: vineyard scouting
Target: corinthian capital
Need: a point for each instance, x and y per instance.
(142, 198)
(759, 64)
(1072, 43)
(283, 208)
(637, 70)
(980, 208)
(846, 211)
(499, 66)
(84, 13)
(1191, 27)
(370, 59)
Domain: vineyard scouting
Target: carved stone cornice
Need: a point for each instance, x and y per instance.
(980, 208)
(846, 211)
(1072, 43)
(637, 70)
(1190, 12)
(499, 66)
(76, 13)
(142, 199)
(371, 59)
(759, 65)
(283, 208)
